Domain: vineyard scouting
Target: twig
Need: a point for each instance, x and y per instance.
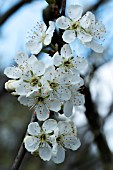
(22, 151)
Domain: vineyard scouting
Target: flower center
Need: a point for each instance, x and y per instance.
(53, 85)
(68, 64)
(75, 25)
(43, 38)
(43, 138)
(58, 139)
(40, 99)
(34, 81)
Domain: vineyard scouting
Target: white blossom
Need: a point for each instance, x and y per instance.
(66, 138)
(95, 28)
(57, 81)
(39, 139)
(41, 103)
(76, 99)
(29, 71)
(40, 36)
(70, 63)
(85, 28)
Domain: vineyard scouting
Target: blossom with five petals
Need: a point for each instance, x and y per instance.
(28, 72)
(41, 103)
(39, 139)
(68, 62)
(76, 99)
(66, 138)
(40, 36)
(85, 28)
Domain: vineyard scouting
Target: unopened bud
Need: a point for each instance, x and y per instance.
(11, 85)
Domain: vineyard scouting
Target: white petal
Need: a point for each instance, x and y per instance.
(49, 125)
(60, 156)
(71, 142)
(66, 51)
(38, 68)
(75, 87)
(31, 143)
(78, 99)
(31, 60)
(45, 152)
(84, 36)
(63, 77)
(63, 22)
(41, 28)
(75, 12)
(33, 129)
(80, 63)
(68, 107)
(42, 112)
(95, 46)
(98, 30)
(34, 46)
(47, 39)
(26, 101)
(13, 72)
(53, 104)
(69, 36)
(51, 28)
(87, 20)
(24, 88)
(57, 59)
(63, 93)
(76, 76)
(64, 127)
(21, 57)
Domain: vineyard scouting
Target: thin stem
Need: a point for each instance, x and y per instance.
(53, 47)
(45, 51)
(22, 151)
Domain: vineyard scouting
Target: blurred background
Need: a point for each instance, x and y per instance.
(94, 121)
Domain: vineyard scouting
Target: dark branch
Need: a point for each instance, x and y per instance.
(99, 138)
(98, 4)
(22, 151)
(12, 10)
(63, 6)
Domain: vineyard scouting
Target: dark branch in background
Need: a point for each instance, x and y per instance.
(99, 138)
(63, 7)
(22, 151)
(99, 3)
(12, 10)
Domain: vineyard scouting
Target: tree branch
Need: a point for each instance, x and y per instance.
(63, 6)
(22, 151)
(12, 10)
(95, 124)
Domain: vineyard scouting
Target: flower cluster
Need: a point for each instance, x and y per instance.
(46, 89)
(51, 139)
(49, 90)
(85, 28)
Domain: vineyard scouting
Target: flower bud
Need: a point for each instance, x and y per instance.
(11, 85)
